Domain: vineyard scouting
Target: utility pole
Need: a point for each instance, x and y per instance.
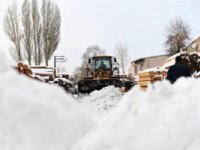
(60, 60)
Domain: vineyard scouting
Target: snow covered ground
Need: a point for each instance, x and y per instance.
(165, 117)
(38, 116)
(101, 102)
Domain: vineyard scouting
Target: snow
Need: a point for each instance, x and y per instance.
(100, 102)
(168, 64)
(39, 116)
(170, 61)
(64, 80)
(165, 117)
(4, 62)
(39, 77)
(46, 71)
(156, 69)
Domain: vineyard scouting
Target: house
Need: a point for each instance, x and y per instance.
(194, 46)
(146, 63)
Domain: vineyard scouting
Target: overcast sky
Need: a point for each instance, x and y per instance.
(138, 23)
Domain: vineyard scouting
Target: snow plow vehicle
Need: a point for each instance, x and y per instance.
(103, 71)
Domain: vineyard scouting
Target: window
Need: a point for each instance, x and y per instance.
(102, 63)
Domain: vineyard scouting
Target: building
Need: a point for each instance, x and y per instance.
(146, 63)
(194, 46)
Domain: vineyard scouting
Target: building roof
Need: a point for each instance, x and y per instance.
(193, 42)
(143, 58)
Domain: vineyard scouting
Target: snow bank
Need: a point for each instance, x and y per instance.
(4, 62)
(165, 117)
(102, 101)
(37, 116)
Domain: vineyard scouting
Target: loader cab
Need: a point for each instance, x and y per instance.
(103, 62)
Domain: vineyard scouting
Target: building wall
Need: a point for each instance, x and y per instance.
(191, 47)
(131, 71)
(147, 63)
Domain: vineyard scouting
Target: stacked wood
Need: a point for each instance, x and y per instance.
(146, 78)
(41, 73)
(23, 69)
(44, 72)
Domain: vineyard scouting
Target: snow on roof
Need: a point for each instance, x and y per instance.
(195, 53)
(168, 64)
(43, 71)
(171, 60)
(156, 69)
(173, 57)
(142, 58)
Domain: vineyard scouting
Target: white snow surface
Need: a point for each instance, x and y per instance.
(156, 69)
(4, 62)
(165, 117)
(100, 102)
(38, 116)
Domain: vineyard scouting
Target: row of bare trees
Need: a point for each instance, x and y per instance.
(35, 33)
(177, 39)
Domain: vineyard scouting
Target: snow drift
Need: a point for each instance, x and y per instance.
(100, 102)
(165, 117)
(37, 116)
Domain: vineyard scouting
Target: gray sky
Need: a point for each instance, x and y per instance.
(140, 24)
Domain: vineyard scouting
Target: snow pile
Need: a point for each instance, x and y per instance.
(38, 116)
(4, 62)
(165, 117)
(103, 100)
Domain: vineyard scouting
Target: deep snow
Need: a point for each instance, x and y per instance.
(165, 117)
(38, 116)
(101, 102)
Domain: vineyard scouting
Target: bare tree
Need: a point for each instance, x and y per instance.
(121, 53)
(37, 33)
(27, 36)
(77, 74)
(51, 28)
(41, 30)
(178, 35)
(91, 51)
(40, 44)
(12, 29)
